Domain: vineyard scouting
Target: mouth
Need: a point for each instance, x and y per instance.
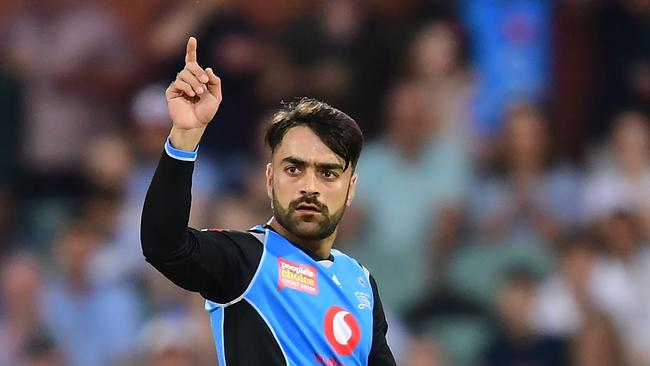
(306, 207)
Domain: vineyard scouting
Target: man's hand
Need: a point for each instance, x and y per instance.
(192, 99)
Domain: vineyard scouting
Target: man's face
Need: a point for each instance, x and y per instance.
(308, 186)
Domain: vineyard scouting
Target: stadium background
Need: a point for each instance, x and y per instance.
(504, 198)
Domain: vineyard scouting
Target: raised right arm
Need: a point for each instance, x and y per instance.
(218, 264)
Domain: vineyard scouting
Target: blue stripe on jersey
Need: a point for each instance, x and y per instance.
(216, 322)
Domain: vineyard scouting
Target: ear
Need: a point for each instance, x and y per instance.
(352, 190)
(269, 181)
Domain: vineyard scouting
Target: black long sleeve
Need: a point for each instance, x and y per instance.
(217, 264)
(380, 353)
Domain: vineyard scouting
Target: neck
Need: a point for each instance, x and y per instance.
(317, 248)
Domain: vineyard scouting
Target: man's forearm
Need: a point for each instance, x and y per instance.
(166, 211)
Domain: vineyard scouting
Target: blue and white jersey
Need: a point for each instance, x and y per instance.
(314, 312)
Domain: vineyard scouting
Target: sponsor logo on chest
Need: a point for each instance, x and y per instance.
(297, 276)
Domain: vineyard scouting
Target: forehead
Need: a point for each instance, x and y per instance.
(301, 142)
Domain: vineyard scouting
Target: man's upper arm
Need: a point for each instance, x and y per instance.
(219, 264)
(380, 353)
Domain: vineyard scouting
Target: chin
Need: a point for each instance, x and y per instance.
(308, 228)
(308, 231)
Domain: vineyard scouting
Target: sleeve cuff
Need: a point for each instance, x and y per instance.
(180, 154)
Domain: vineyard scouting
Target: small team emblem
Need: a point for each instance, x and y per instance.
(364, 300)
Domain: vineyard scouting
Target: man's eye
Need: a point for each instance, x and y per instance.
(329, 174)
(292, 170)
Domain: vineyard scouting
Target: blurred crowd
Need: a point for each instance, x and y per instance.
(504, 187)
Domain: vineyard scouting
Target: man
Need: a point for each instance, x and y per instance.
(277, 294)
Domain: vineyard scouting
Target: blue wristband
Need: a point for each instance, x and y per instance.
(180, 154)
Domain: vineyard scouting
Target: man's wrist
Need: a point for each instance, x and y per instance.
(186, 140)
(180, 154)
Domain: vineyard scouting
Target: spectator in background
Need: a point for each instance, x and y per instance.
(108, 164)
(73, 97)
(94, 324)
(106, 167)
(444, 302)
(639, 81)
(620, 285)
(529, 196)
(234, 47)
(163, 298)
(511, 51)
(621, 176)
(323, 46)
(598, 343)
(241, 207)
(20, 318)
(170, 304)
(515, 341)
(347, 53)
(435, 57)
(42, 351)
(406, 178)
(516, 209)
(12, 127)
(424, 352)
(8, 213)
(563, 299)
(170, 341)
(622, 52)
(168, 25)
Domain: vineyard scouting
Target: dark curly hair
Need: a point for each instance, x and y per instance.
(336, 129)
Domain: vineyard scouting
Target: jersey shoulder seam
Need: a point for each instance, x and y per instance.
(262, 238)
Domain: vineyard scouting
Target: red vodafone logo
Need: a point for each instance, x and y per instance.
(342, 330)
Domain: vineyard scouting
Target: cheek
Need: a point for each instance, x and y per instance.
(335, 196)
(284, 191)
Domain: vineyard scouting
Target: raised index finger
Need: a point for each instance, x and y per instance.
(190, 53)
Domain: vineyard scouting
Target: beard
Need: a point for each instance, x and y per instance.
(310, 227)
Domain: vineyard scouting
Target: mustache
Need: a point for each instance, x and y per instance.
(311, 200)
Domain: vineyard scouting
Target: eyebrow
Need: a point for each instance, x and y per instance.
(302, 163)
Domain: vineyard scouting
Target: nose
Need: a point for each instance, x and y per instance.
(309, 186)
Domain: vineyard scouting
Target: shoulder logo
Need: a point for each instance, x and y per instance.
(364, 300)
(342, 330)
(297, 276)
